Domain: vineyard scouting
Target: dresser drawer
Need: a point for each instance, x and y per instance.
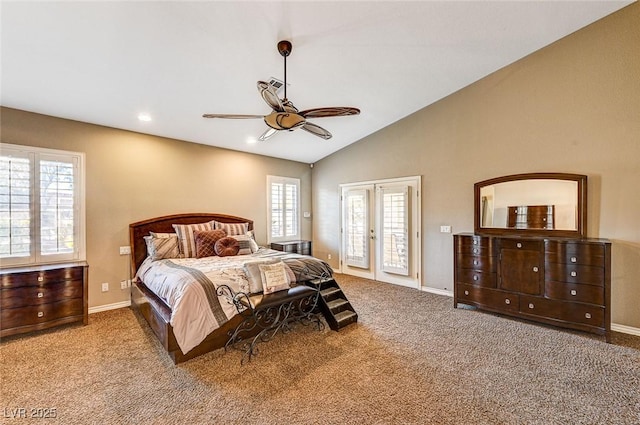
(480, 263)
(524, 244)
(475, 277)
(588, 314)
(43, 277)
(31, 315)
(490, 298)
(36, 295)
(574, 273)
(575, 253)
(591, 294)
(474, 245)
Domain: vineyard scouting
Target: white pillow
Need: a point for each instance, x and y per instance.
(274, 277)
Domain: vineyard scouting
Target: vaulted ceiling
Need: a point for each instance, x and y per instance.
(106, 62)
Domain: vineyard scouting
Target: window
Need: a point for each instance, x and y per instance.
(283, 203)
(41, 205)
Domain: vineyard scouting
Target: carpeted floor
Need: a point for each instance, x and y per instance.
(411, 359)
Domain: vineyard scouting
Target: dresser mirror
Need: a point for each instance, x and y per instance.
(549, 204)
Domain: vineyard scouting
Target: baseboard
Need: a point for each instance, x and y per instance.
(437, 291)
(625, 329)
(105, 307)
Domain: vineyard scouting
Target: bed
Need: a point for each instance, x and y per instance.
(165, 317)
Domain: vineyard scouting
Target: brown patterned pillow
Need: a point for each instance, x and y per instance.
(205, 241)
(227, 246)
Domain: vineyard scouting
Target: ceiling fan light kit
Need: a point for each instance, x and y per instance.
(284, 115)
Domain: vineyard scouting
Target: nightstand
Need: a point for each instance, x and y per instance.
(298, 247)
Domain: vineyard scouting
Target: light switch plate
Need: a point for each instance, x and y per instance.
(445, 229)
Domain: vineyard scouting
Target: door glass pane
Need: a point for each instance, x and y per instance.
(357, 228)
(395, 229)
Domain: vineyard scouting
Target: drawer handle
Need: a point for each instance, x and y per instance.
(574, 292)
(40, 278)
(519, 245)
(531, 306)
(574, 260)
(587, 315)
(475, 262)
(574, 274)
(475, 251)
(507, 301)
(475, 277)
(40, 314)
(40, 294)
(466, 292)
(535, 269)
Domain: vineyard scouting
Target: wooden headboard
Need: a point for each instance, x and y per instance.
(163, 224)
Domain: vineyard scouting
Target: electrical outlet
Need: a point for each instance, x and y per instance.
(105, 286)
(328, 256)
(125, 250)
(124, 284)
(445, 229)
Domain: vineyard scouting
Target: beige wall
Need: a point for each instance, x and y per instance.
(132, 177)
(571, 107)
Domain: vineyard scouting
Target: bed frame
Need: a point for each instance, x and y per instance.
(153, 308)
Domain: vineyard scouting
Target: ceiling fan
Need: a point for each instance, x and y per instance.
(285, 116)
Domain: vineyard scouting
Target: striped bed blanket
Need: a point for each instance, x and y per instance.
(189, 287)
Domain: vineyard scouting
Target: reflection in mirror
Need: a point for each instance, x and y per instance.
(534, 204)
(530, 204)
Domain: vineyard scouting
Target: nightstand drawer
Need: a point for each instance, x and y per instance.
(297, 247)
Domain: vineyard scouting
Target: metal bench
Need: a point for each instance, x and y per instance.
(266, 315)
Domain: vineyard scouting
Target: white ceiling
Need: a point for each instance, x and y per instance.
(105, 62)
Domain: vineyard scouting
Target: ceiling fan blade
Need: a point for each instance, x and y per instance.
(232, 116)
(334, 111)
(267, 134)
(316, 130)
(269, 95)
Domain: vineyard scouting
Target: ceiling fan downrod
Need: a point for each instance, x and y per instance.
(284, 48)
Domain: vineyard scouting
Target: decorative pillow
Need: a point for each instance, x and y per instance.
(232, 229)
(162, 245)
(274, 277)
(205, 241)
(253, 274)
(185, 236)
(227, 246)
(244, 242)
(252, 241)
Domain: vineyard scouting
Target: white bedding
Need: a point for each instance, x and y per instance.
(188, 286)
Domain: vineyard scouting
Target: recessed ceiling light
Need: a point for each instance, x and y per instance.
(144, 117)
(251, 140)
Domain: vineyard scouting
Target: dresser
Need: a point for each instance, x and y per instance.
(564, 282)
(298, 247)
(41, 297)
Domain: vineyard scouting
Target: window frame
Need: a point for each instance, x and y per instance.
(35, 155)
(271, 180)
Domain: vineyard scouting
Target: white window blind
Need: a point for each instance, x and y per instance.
(284, 208)
(395, 229)
(356, 227)
(41, 206)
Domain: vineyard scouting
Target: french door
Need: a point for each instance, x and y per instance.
(380, 231)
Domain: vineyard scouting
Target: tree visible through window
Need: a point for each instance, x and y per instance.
(40, 205)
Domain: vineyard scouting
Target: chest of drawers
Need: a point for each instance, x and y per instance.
(563, 282)
(40, 297)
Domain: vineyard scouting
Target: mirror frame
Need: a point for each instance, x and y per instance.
(581, 213)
